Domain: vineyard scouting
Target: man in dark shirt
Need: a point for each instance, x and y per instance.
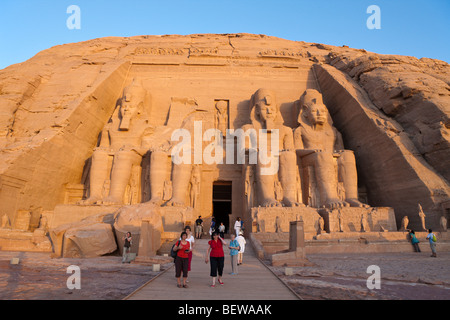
(199, 227)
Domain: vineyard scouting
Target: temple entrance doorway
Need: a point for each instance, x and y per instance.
(222, 191)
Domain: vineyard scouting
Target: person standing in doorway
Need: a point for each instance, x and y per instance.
(182, 248)
(212, 229)
(237, 226)
(234, 252)
(199, 227)
(432, 238)
(241, 240)
(127, 243)
(217, 258)
(222, 230)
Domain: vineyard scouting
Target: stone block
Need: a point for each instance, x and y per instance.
(156, 268)
(295, 256)
(150, 239)
(130, 219)
(58, 233)
(87, 241)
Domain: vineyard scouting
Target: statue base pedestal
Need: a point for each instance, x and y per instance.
(277, 219)
(376, 219)
(18, 240)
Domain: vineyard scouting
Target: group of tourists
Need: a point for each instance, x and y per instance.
(215, 255)
(431, 237)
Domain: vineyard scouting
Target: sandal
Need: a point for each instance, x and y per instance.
(213, 286)
(185, 286)
(221, 283)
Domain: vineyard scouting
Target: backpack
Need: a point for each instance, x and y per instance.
(434, 238)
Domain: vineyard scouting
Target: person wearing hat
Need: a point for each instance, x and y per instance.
(241, 240)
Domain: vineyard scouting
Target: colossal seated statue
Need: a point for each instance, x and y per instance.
(121, 138)
(320, 146)
(182, 115)
(265, 115)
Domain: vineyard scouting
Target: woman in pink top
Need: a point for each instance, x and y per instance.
(217, 257)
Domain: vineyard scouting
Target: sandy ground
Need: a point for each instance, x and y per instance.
(404, 276)
(38, 277)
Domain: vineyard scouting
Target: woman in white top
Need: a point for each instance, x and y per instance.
(237, 226)
(191, 239)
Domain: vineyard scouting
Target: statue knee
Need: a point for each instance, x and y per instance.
(127, 156)
(288, 156)
(158, 156)
(324, 157)
(348, 156)
(99, 154)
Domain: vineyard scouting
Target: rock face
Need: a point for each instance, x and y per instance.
(62, 111)
(415, 93)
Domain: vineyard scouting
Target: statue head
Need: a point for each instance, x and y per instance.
(132, 103)
(264, 107)
(312, 109)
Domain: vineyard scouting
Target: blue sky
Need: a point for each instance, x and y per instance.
(413, 28)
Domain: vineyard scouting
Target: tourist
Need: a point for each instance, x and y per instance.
(127, 243)
(414, 240)
(217, 258)
(212, 229)
(222, 230)
(241, 240)
(432, 238)
(182, 248)
(190, 238)
(234, 252)
(199, 227)
(237, 226)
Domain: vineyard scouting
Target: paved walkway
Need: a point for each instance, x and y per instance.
(254, 281)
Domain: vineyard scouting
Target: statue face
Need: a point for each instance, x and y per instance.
(128, 110)
(266, 109)
(317, 113)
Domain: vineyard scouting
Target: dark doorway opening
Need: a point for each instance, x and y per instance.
(222, 191)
